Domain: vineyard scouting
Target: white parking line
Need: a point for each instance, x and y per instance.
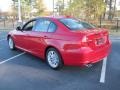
(2, 39)
(103, 71)
(11, 58)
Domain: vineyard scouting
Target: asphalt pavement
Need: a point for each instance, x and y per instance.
(23, 71)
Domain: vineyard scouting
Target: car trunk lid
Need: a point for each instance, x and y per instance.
(95, 38)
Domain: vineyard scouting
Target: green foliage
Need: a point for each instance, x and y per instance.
(39, 7)
(60, 7)
(26, 9)
(86, 9)
(29, 8)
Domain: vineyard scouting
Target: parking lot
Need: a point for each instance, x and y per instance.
(22, 71)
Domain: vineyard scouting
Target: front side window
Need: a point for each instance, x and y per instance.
(29, 25)
(75, 24)
(41, 25)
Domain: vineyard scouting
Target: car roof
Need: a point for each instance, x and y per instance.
(53, 17)
(56, 17)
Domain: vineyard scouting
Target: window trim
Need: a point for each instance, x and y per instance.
(28, 23)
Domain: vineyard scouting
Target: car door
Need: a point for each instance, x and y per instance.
(22, 36)
(40, 37)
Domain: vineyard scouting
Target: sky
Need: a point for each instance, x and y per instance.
(48, 4)
(5, 4)
(118, 4)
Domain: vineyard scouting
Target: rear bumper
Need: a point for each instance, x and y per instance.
(86, 56)
(95, 56)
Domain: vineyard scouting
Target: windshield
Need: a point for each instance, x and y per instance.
(75, 24)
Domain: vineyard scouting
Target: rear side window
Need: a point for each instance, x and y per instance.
(52, 27)
(42, 25)
(74, 24)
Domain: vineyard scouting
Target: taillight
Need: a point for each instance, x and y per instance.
(84, 41)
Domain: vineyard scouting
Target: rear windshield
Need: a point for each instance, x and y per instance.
(74, 24)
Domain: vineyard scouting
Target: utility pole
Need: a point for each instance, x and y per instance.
(19, 11)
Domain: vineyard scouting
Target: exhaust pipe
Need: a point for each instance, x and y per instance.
(88, 65)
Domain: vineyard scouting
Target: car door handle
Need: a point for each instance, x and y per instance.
(45, 37)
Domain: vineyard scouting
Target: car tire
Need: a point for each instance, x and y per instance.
(54, 59)
(11, 43)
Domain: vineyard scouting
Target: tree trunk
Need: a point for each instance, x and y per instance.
(104, 15)
(114, 8)
(110, 10)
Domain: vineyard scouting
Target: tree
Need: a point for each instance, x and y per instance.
(60, 6)
(86, 9)
(104, 14)
(114, 7)
(110, 10)
(28, 7)
(39, 7)
(25, 8)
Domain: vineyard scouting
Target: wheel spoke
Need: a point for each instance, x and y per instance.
(53, 59)
(11, 43)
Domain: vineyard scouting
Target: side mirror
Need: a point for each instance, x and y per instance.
(19, 28)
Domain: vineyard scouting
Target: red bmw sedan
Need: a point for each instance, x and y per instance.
(61, 41)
